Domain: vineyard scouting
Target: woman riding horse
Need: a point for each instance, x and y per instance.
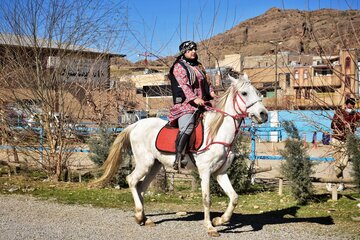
(191, 90)
(212, 159)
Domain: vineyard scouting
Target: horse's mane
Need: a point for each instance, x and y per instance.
(217, 118)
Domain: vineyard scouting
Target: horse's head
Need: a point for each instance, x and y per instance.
(247, 100)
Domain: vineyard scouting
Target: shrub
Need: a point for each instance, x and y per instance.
(239, 172)
(352, 145)
(99, 145)
(297, 165)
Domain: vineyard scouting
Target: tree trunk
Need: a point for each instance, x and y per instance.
(16, 157)
(58, 169)
(160, 181)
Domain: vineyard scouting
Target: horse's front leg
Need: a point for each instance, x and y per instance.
(225, 184)
(205, 189)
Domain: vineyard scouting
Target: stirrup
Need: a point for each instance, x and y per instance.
(183, 163)
(179, 163)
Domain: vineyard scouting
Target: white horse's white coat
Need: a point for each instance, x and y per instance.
(214, 161)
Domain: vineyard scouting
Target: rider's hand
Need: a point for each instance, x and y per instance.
(199, 102)
(213, 95)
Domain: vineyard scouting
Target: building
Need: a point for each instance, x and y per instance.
(293, 81)
(54, 76)
(153, 90)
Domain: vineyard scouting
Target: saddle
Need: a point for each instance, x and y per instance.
(165, 140)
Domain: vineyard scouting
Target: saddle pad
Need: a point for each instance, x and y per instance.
(165, 140)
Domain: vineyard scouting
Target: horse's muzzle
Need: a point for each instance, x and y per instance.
(262, 117)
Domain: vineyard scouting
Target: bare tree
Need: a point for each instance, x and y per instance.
(49, 64)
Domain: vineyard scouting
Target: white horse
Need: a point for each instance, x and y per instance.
(214, 157)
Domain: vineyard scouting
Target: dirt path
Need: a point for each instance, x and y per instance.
(24, 217)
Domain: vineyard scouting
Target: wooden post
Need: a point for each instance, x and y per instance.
(264, 169)
(333, 181)
(193, 184)
(16, 157)
(334, 193)
(171, 187)
(281, 183)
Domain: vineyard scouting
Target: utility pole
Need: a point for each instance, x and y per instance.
(276, 43)
(145, 55)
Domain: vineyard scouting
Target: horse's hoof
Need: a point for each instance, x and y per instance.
(139, 221)
(213, 233)
(217, 221)
(149, 223)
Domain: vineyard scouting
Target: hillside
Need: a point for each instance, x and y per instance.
(324, 30)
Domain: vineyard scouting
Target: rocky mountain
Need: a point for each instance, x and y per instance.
(318, 32)
(323, 31)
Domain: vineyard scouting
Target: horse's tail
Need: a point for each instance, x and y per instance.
(114, 159)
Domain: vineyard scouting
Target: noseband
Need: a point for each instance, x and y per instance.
(243, 113)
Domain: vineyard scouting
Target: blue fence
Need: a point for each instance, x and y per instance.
(80, 129)
(307, 122)
(265, 132)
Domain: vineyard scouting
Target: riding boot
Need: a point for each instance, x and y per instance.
(181, 142)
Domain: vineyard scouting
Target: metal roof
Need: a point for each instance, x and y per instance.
(30, 41)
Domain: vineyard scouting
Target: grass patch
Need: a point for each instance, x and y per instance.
(264, 202)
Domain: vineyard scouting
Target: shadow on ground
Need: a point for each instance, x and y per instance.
(255, 221)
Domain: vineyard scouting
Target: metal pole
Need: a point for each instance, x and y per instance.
(276, 75)
(253, 144)
(276, 43)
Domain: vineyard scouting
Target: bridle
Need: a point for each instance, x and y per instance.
(243, 113)
(239, 116)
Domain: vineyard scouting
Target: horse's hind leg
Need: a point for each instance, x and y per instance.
(138, 188)
(143, 185)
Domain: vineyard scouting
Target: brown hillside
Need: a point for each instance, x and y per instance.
(317, 32)
(324, 30)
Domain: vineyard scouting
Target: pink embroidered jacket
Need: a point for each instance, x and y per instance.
(191, 91)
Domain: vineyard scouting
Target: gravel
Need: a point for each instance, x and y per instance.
(24, 217)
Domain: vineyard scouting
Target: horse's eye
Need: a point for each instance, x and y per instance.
(244, 94)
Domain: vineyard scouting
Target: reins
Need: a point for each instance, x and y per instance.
(238, 116)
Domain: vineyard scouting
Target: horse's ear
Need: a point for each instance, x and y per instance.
(233, 80)
(245, 77)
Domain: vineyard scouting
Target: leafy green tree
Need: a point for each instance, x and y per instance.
(297, 165)
(100, 144)
(240, 172)
(354, 153)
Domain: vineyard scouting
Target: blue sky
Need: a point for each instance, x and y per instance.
(159, 26)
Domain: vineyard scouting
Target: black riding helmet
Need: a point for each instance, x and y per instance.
(187, 45)
(352, 101)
